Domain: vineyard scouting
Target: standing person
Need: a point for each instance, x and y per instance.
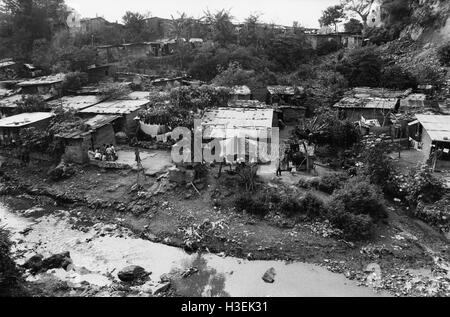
(140, 168)
(137, 156)
(279, 168)
(109, 153)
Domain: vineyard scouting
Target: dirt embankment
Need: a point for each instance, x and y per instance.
(206, 220)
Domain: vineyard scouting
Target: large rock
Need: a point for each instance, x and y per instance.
(132, 273)
(269, 276)
(34, 264)
(37, 264)
(57, 261)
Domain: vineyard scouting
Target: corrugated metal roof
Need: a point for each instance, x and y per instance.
(24, 119)
(366, 92)
(10, 102)
(438, 127)
(116, 107)
(46, 80)
(7, 64)
(367, 103)
(284, 90)
(138, 95)
(241, 90)
(76, 102)
(222, 122)
(248, 104)
(100, 121)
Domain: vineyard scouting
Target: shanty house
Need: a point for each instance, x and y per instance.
(241, 93)
(431, 135)
(283, 95)
(48, 85)
(417, 103)
(8, 69)
(97, 73)
(370, 104)
(128, 110)
(291, 114)
(10, 127)
(379, 109)
(225, 124)
(9, 105)
(98, 131)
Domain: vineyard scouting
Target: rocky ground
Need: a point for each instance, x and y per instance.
(406, 257)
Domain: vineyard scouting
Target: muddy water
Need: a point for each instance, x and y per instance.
(95, 256)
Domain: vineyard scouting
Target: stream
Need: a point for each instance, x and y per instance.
(98, 257)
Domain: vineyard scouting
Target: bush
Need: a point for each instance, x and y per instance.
(394, 77)
(328, 47)
(424, 186)
(10, 276)
(290, 206)
(312, 206)
(74, 81)
(329, 183)
(354, 227)
(444, 54)
(359, 197)
(255, 206)
(362, 67)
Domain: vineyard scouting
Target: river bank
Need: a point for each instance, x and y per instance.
(100, 252)
(402, 259)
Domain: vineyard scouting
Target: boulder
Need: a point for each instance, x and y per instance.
(132, 273)
(269, 276)
(161, 288)
(34, 264)
(57, 261)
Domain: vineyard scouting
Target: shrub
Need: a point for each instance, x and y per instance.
(328, 47)
(329, 183)
(424, 186)
(74, 81)
(290, 206)
(394, 77)
(255, 206)
(354, 227)
(359, 197)
(362, 67)
(312, 206)
(10, 276)
(444, 54)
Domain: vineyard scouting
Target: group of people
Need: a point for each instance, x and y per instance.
(106, 153)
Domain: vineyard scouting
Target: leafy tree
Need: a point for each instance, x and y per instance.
(222, 28)
(28, 20)
(395, 77)
(362, 8)
(362, 67)
(353, 26)
(135, 26)
(332, 16)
